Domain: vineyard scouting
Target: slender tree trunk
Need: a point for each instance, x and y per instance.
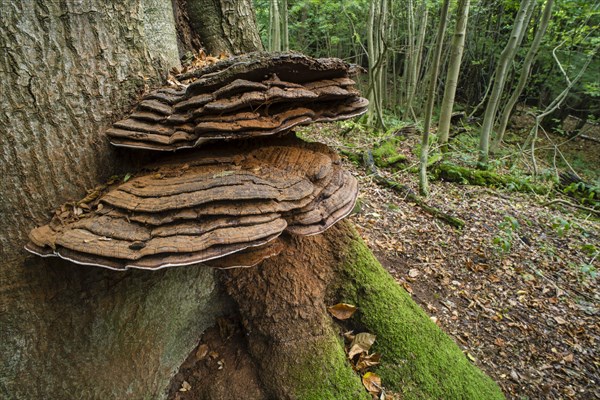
(502, 69)
(437, 55)
(284, 26)
(371, 49)
(456, 51)
(525, 70)
(275, 26)
(415, 61)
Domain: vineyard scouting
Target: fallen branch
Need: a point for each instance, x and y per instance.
(593, 139)
(406, 192)
(568, 203)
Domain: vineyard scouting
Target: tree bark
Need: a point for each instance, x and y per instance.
(506, 57)
(456, 52)
(225, 26)
(68, 69)
(524, 75)
(435, 67)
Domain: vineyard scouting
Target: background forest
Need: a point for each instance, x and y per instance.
(541, 55)
(401, 35)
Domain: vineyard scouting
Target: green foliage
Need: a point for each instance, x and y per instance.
(506, 235)
(585, 193)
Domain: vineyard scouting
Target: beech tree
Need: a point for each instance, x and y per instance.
(456, 51)
(69, 331)
(500, 75)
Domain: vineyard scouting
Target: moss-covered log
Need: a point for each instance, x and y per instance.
(455, 173)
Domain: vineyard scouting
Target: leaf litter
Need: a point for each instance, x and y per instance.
(527, 316)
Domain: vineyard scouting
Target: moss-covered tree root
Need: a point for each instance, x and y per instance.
(419, 360)
(297, 347)
(455, 173)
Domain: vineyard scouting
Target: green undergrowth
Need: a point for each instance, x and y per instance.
(325, 374)
(464, 175)
(386, 155)
(418, 359)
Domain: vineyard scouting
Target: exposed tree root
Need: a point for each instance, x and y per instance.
(297, 349)
(567, 203)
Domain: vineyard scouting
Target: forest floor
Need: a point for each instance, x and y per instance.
(516, 287)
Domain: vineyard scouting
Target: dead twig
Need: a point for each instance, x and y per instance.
(568, 203)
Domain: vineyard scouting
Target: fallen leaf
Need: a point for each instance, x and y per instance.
(361, 344)
(185, 386)
(372, 383)
(348, 336)
(568, 358)
(202, 352)
(413, 273)
(499, 342)
(560, 320)
(342, 311)
(367, 360)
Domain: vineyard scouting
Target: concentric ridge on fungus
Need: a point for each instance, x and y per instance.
(254, 95)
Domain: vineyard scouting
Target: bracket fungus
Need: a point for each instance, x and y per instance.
(224, 206)
(254, 95)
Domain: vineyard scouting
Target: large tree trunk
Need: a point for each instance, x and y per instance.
(68, 69)
(70, 331)
(225, 26)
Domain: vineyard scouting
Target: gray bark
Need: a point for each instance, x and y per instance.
(69, 69)
(524, 75)
(506, 57)
(225, 26)
(456, 52)
(435, 67)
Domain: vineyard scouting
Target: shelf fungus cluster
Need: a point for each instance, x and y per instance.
(243, 97)
(224, 206)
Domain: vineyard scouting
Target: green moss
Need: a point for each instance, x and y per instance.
(419, 360)
(386, 153)
(324, 373)
(456, 173)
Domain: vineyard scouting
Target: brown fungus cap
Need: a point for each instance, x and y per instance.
(253, 95)
(221, 206)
